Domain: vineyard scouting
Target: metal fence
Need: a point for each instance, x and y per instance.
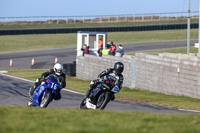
(102, 18)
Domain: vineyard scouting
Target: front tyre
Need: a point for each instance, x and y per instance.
(83, 104)
(30, 102)
(46, 98)
(103, 100)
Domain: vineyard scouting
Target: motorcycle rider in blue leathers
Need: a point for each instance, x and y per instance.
(57, 70)
(114, 72)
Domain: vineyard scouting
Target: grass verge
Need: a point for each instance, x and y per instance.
(126, 94)
(39, 120)
(50, 41)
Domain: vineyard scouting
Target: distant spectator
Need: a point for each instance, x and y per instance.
(112, 49)
(100, 45)
(85, 49)
(108, 46)
(100, 51)
(119, 51)
(105, 51)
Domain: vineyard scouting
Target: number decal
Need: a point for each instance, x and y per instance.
(52, 85)
(115, 89)
(55, 86)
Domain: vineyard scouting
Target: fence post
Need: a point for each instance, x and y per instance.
(159, 17)
(152, 17)
(117, 18)
(32, 19)
(100, 19)
(66, 19)
(40, 19)
(91, 19)
(142, 17)
(133, 18)
(192, 16)
(57, 20)
(168, 16)
(74, 19)
(176, 15)
(49, 20)
(83, 19)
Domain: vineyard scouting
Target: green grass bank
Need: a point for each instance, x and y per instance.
(39, 120)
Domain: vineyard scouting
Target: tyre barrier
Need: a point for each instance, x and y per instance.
(70, 68)
(99, 29)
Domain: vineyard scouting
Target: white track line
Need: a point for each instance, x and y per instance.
(189, 110)
(2, 73)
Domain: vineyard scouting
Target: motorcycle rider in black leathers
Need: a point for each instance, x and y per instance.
(115, 72)
(57, 70)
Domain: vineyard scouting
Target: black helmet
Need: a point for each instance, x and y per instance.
(119, 67)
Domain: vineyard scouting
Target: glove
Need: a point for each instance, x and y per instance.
(42, 83)
(43, 79)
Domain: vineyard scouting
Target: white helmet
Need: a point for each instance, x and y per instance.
(58, 69)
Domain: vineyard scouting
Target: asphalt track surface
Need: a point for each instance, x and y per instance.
(14, 91)
(45, 59)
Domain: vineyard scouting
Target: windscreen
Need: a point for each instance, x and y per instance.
(54, 78)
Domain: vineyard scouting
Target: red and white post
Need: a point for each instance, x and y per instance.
(56, 60)
(11, 62)
(33, 62)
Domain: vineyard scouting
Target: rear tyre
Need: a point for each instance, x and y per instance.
(103, 100)
(45, 99)
(83, 104)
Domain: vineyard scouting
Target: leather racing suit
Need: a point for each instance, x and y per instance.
(109, 71)
(38, 82)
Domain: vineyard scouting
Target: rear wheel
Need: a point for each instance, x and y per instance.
(103, 100)
(46, 98)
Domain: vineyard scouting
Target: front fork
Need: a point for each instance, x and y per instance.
(49, 91)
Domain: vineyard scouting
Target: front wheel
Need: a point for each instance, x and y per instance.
(30, 102)
(83, 104)
(46, 98)
(103, 100)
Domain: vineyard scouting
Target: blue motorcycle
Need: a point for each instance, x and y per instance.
(102, 94)
(46, 92)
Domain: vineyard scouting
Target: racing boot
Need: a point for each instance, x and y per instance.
(92, 85)
(31, 90)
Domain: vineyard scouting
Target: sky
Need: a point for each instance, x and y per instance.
(21, 8)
